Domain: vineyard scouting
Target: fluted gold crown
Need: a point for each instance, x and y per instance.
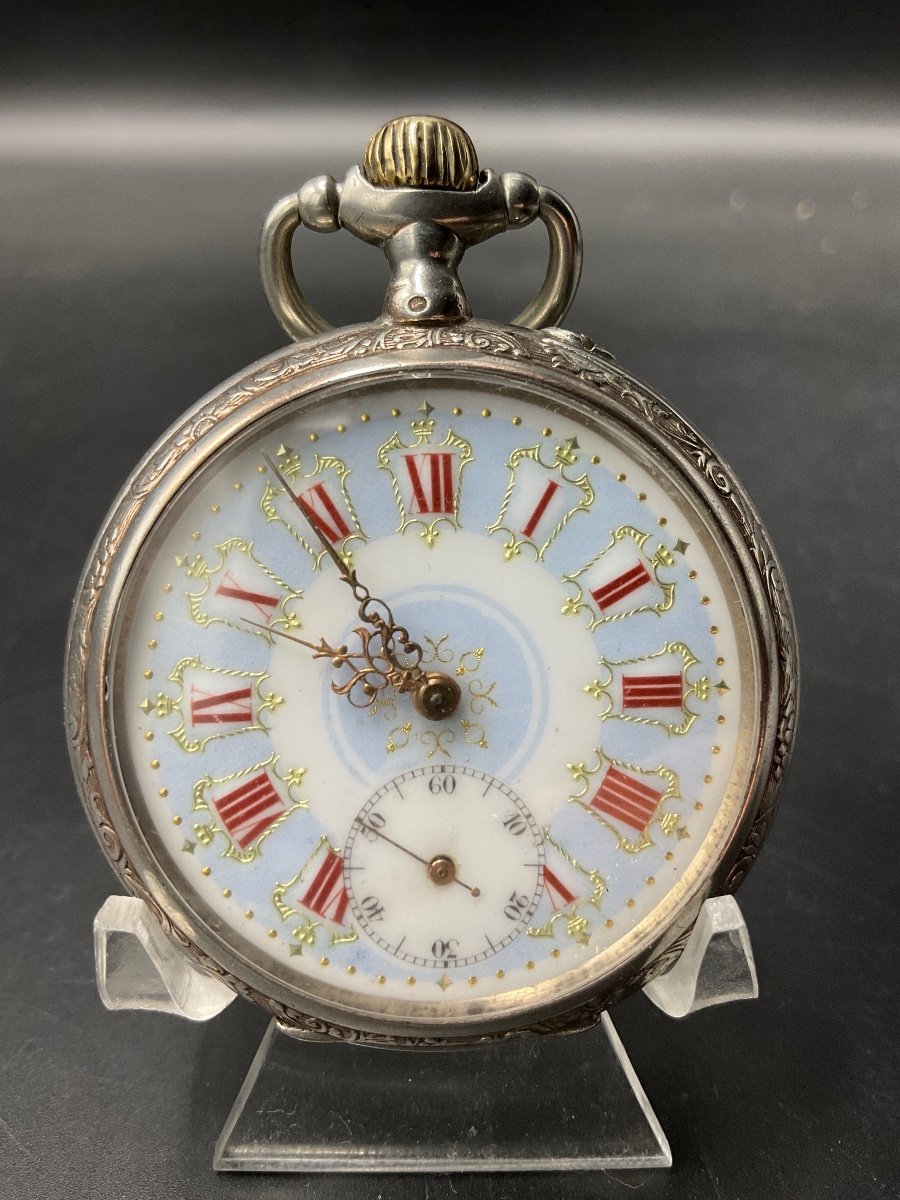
(421, 152)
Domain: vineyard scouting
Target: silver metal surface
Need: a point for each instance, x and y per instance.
(424, 233)
(571, 377)
(560, 284)
(295, 314)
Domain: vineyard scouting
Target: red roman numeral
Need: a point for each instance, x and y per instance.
(250, 809)
(326, 895)
(626, 799)
(431, 476)
(541, 507)
(559, 894)
(230, 587)
(620, 587)
(207, 709)
(323, 512)
(652, 691)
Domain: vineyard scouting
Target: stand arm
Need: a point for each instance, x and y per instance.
(139, 968)
(715, 967)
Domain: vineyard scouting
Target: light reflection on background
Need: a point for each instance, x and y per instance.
(735, 171)
(127, 131)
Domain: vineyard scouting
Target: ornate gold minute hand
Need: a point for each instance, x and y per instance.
(388, 654)
(372, 610)
(347, 574)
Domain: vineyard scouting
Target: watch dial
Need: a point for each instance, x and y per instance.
(365, 855)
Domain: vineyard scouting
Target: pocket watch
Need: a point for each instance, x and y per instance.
(429, 674)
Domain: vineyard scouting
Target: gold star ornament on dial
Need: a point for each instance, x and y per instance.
(429, 675)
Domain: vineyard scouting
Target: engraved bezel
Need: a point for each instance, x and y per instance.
(548, 362)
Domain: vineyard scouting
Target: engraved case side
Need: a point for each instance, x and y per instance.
(562, 364)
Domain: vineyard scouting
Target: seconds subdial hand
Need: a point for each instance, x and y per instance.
(441, 868)
(395, 659)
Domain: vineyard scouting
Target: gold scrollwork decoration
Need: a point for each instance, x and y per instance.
(440, 652)
(428, 492)
(558, 477)
(435, 738)
(324, 897)
(247, 806)
(628, 798)
(207, 699)
(625, 696)
(482, 696)
(474, 733)
(240, 586)
(338, 519)
(578, 926)
(398, 738)
(470, 661)
(481, 699)
(611, 594)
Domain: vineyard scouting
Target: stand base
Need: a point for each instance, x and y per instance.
(555, 1103)
(312, 1106)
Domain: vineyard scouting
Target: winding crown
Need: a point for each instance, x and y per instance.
(421, 152)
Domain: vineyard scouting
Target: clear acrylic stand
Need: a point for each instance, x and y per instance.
(310, 1104)
(480, 1109)
(138, 967)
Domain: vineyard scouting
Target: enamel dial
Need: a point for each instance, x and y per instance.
(354, 858)
(465, 826)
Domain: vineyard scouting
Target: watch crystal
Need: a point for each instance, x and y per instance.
(360, 851)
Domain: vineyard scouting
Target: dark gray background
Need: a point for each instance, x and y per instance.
(736, 173)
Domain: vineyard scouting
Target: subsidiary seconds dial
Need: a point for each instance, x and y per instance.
(444, 866)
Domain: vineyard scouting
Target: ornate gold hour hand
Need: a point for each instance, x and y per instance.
(372, 670)
(441, 868)
(388, 654)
